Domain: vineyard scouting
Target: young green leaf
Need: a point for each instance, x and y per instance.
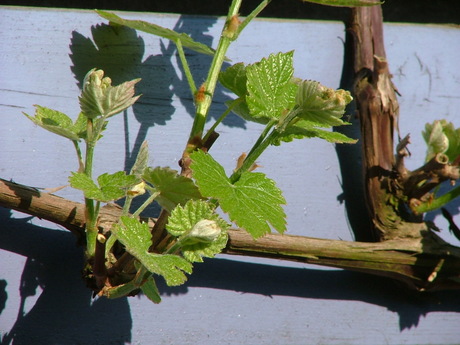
(136, 238)
(270, 89)
(55, 122)
(321, 104)
(442, 137)
(308, 129)
(157, 30)
(346, 3)
(186, 222)
(142, 159)
(241, 109)
(174, 189)
(100, 98)
(234, 78)
(111, 186)
(253, 202)
(122, 290)
(149, 288)
(80, 125)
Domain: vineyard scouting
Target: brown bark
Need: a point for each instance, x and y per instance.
(378, 114)
(410, 261)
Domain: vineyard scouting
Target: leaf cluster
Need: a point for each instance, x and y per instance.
(267, 93)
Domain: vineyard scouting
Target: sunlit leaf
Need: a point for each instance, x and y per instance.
(321, 104)
(157, 30)
(111, 186)
(271, 91)
(253, 202)
(234, 78)
(307, 129)
(55, 122)
(136, 238)
(174, 189)
(185, 218)
(100, 98)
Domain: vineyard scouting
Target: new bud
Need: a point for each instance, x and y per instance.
(138, 189)
(205, 231)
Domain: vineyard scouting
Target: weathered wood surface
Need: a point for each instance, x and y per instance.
(35, 48)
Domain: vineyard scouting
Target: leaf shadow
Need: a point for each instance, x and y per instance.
(120, 51)
(64, 312)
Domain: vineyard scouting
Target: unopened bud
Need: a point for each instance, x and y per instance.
(93, 77)
(232, 27)
(205, 231)
(138, 189)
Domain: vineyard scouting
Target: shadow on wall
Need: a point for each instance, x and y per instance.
(119, 51)
(64, 313)
(342, 285)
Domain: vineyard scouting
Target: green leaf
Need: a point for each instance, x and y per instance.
(157, 30)
(149, 288)
(136, 238)
(321, 104)
(174, 189)
(55, 122)
(185, 218)
(307, 129)
(271, 91)
(346, 3)
(142, 159)
(84, 183)
(80, 125)
(100, 98)
(253, 202)
(234, 78)
(122, 290)
(442, 137)
(111, 186)
(242, 110)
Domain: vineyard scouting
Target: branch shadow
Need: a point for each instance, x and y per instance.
(64, 312)
(340, 285)
(53, 260)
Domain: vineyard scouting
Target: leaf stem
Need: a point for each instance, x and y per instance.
(438, 202)
(256, 151)
(146, 203)
(202, 108)
(265, 139)
(188, 73)
(221, 118)
(91, 231)
(251, 16)
(81, 165)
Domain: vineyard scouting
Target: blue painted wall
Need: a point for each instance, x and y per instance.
(228, 300)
